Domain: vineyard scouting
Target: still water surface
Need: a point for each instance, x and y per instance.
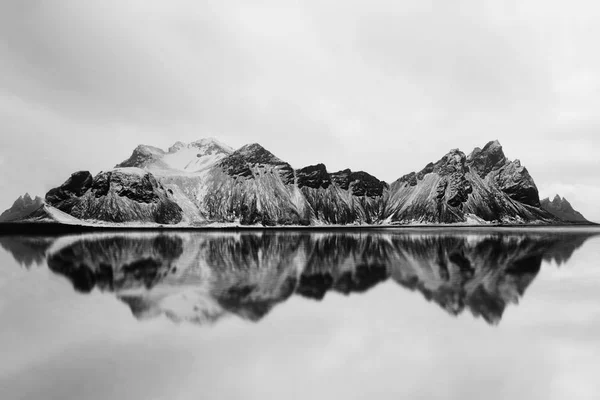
(420, 314)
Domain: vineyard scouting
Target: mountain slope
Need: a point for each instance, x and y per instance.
(562, 209)
(343, 197)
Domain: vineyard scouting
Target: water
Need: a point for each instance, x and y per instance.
(420, 314)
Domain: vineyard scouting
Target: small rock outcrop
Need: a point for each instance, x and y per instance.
(21, 208)
(562, 209)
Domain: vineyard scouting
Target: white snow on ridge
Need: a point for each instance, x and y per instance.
(131, 171)
(190, 158)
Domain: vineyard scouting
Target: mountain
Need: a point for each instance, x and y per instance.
(202, 277)
(206, 182)
(562, 209)
(120, 195)
(21, 208)
(482, 186)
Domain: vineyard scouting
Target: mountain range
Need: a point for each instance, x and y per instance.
(207, 183)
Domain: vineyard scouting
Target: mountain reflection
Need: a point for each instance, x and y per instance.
(203, 276)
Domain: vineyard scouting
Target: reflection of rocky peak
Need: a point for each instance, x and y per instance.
(120, 195)
(482, 276)
(22, 207)
(118, 261)
(562, 209)
(202, 277)
(27, 250)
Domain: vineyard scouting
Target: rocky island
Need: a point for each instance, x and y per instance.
(209, 184)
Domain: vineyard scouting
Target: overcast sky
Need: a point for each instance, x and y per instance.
(382, 86)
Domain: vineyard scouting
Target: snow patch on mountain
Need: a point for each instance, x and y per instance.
(180, 159)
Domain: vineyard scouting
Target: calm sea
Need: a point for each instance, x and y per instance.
(357, 314)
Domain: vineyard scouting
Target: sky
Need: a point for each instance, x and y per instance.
(380, 86)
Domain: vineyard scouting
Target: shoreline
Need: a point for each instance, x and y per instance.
(7, 229)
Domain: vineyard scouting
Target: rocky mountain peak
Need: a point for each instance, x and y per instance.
(241, 162)
(23, 206)
(561, 208)
(142, 156)
(176, 147)
(485, 160)
(454, 161)
(558, 200)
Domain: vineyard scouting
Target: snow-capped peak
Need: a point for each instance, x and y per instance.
(186, 158)
(210, 141)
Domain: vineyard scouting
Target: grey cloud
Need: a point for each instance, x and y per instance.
(383, 86)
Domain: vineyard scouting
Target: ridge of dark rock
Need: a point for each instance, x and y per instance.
(241, 162)
(313, 176)
(362, 183)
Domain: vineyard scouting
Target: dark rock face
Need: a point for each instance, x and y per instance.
(74, 187)
(515, 181)
(242, 162)
(362, 183)
(116, 196)
(140, 190)
(562, 209)
(490, 158)
(454, 188)
(512, 178)
(21, 208)
(313, 176)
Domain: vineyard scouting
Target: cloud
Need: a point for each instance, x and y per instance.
(385, 87)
